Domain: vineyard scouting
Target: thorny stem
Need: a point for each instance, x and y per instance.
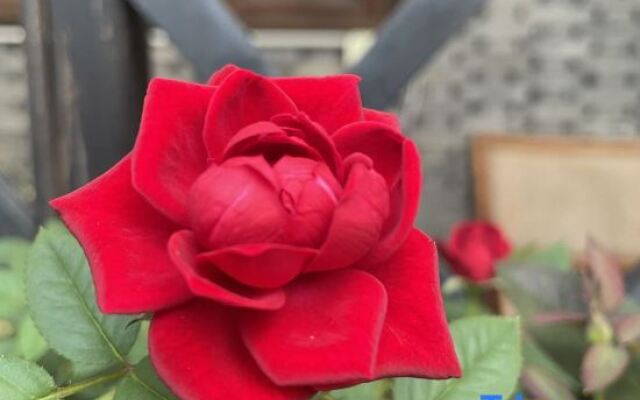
(87, 384)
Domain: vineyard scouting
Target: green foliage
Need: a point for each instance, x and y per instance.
(62, 302)
(30, 345)
(22, 380)
(377, 390)
(536, 289)
(557, 256)
(489, 350)
(18, 336)
(538, 359)
(143, 384)
(544, 384)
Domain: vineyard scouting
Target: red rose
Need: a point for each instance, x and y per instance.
(473, 249)
(268, 223)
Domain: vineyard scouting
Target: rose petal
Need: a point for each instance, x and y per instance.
(169, 153)
(125, 241)
(270, 140)
(236, 203)
(474, 248)
(314, 135)
(358, 218)
(405, 202)
(241, 100)
(378, 142)
(389, 119)
(198, 352)
(309, 192)
(204, 282)
(331, 101)
(263, 265)
(326, 333)
(222, 74)
(415, 338)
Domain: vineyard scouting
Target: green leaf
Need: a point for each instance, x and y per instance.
(22, 380)
(31, 345)
(544, 384)
(556, 256)
(140, 349)
(535, 356)
(489, 350)
(534, 289)
(369, 391)
(62, 303)
(143, 384)
(564, 343)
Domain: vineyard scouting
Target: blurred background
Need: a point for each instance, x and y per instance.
(527, 114)
(73, 73)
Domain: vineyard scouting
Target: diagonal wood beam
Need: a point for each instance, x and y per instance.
(206, 33)
(406, 42)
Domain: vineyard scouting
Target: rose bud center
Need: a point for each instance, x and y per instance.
(246, 200)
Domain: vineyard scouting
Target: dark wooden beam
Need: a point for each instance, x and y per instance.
(48, 154)
(206, 33)
(87, 79)
(9, 11)
(312, 14)
(406, 42)
(101, 62)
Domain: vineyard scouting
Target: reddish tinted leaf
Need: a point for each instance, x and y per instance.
(604, 276)
(602, 365)
(559, 317)
(628, 328)
(542, 384)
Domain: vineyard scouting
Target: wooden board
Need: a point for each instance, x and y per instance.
(9, 11)
(547, 189)
(301, 14)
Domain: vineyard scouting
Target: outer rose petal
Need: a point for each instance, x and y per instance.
(378, 142)
(358, 218)
(332, 101)
(386, 118)
(198, 352)
(169, 153)
(396, 158)
(125, 241)
(241, 100)
(327, 332)
(405, 202)
(204, 282)
(415, 338)
(263, 265)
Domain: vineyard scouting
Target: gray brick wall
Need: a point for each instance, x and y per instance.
(534, 66)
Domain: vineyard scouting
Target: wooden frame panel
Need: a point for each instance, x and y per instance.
(546, 188)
